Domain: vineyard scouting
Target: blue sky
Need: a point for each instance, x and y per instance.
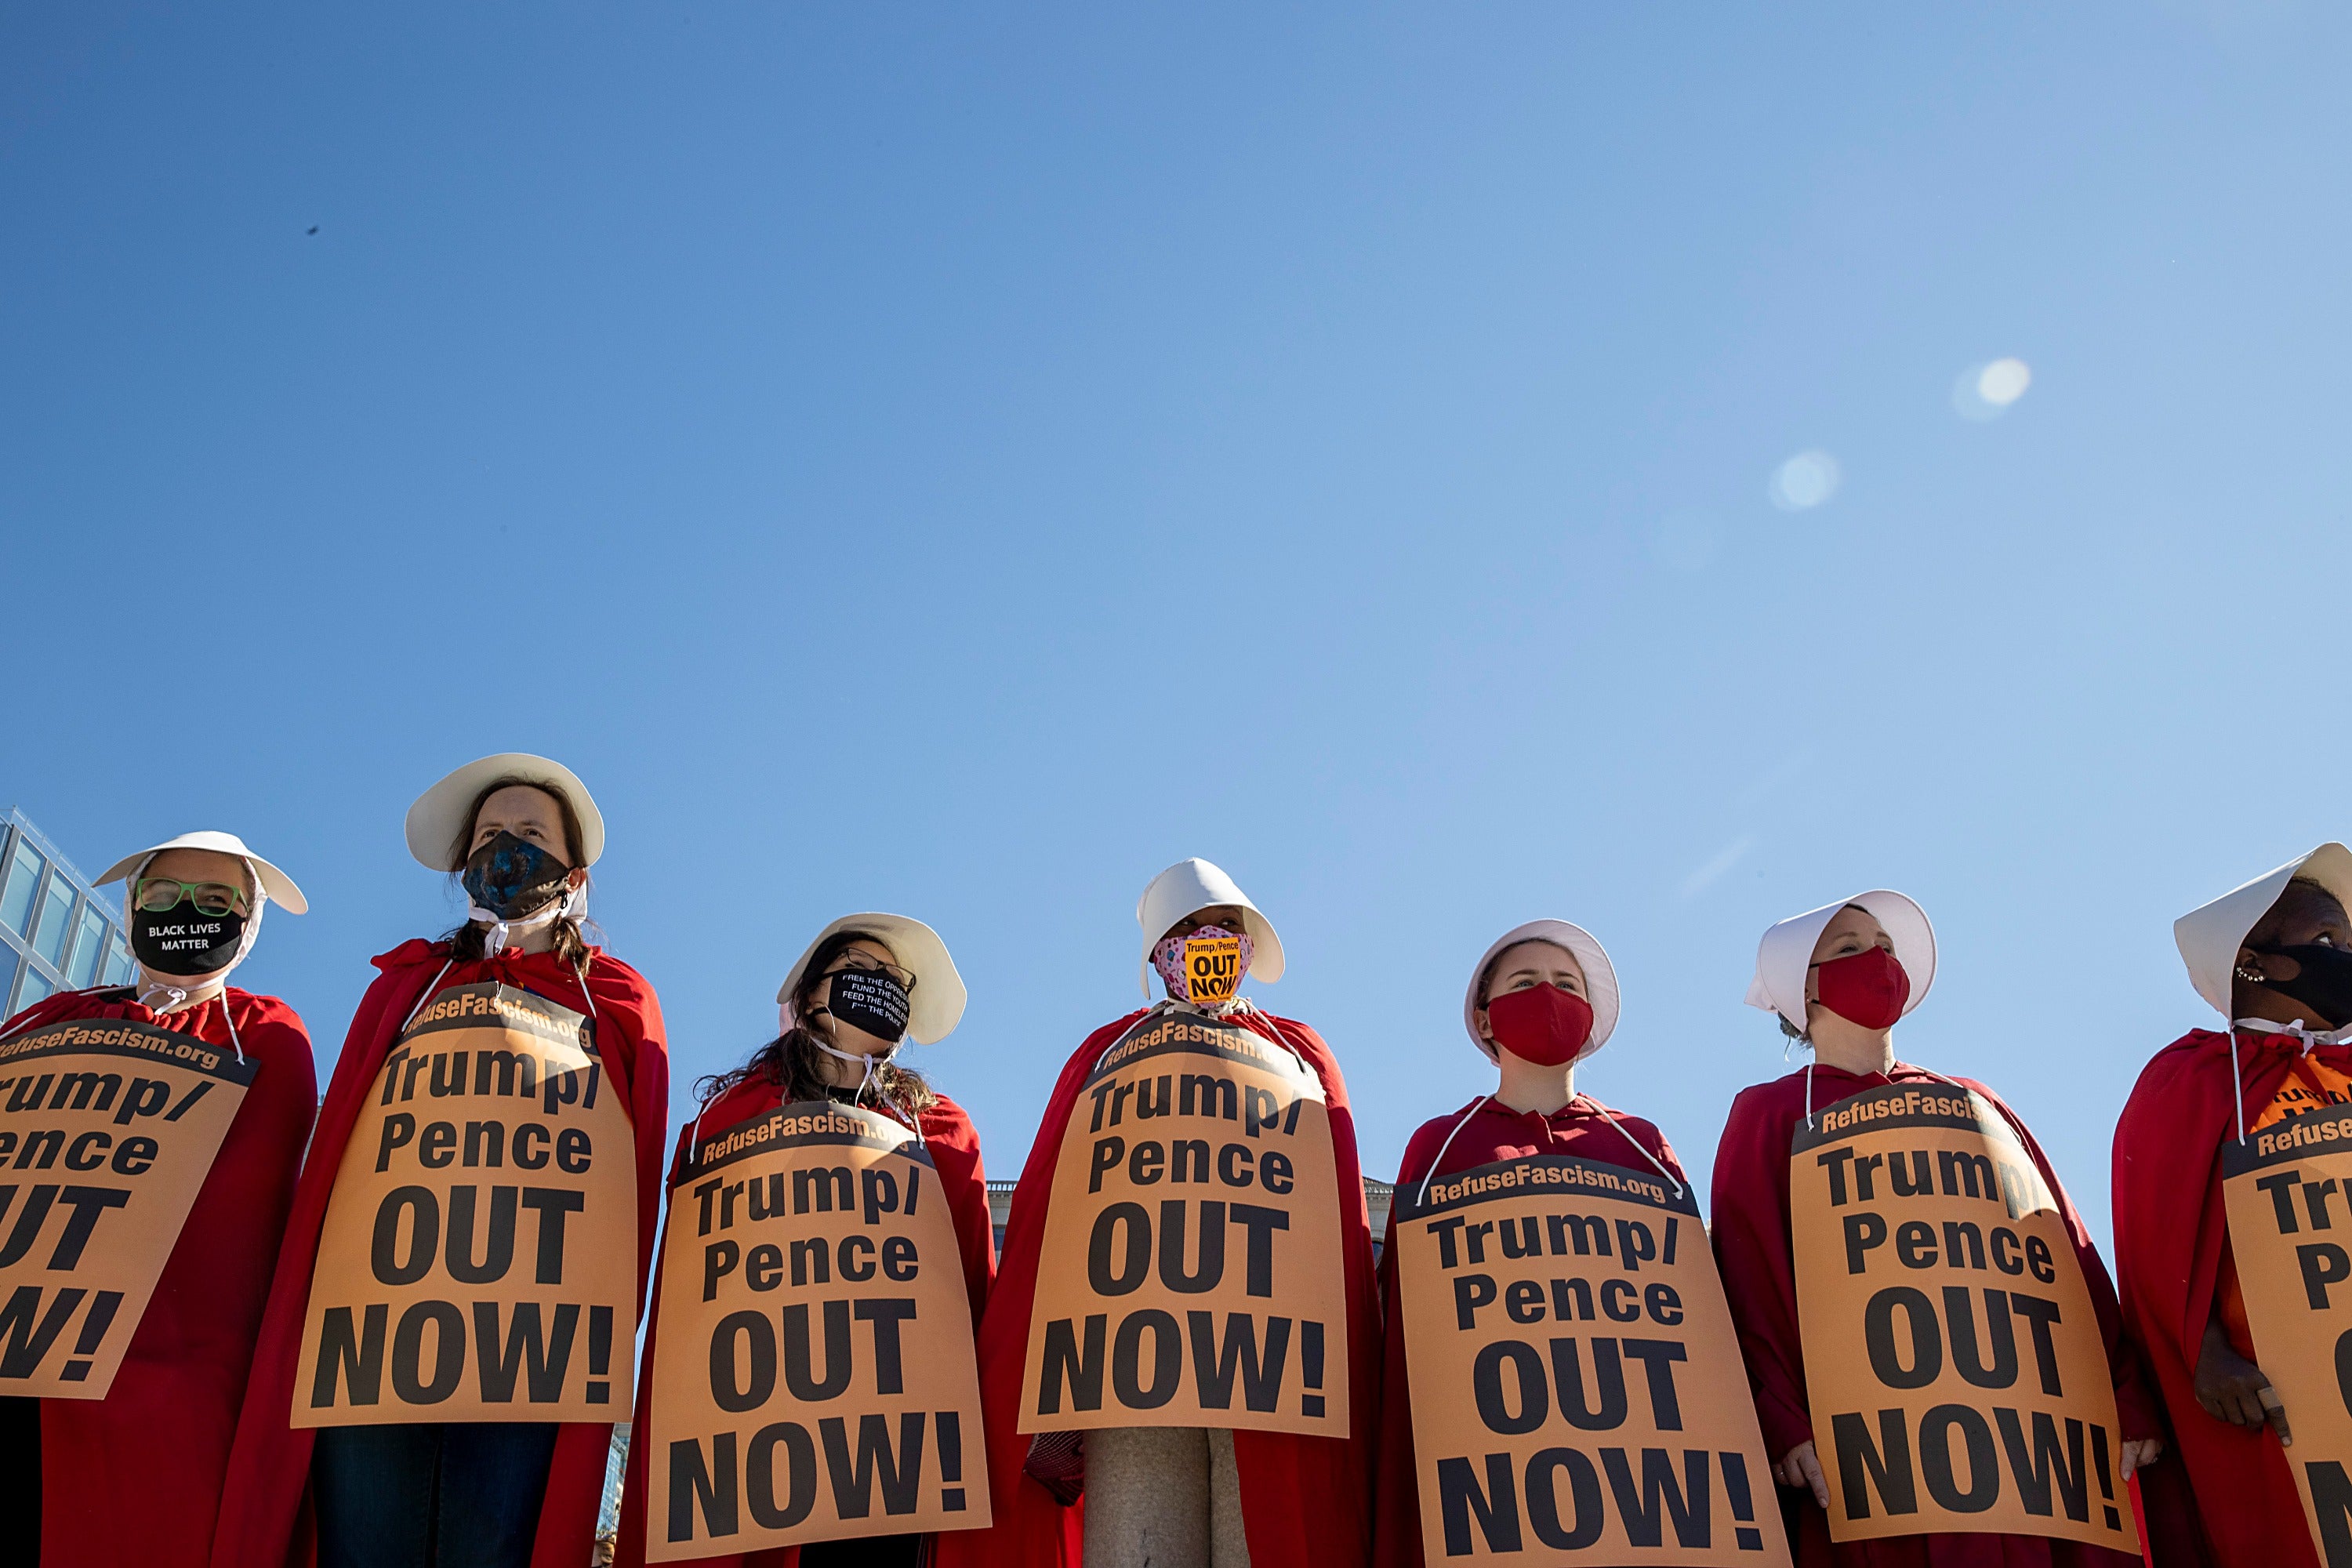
(960, 461)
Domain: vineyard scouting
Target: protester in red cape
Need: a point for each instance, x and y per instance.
(2275, 958)
(522, 832)
(1839, 978)
(196, 905)
(839, 1040)
(1541, 999)
(1265, 1499)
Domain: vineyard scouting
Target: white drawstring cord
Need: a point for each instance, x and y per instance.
(424, 995)
(1423, 1197)
(580, 971)
(1654, 1162)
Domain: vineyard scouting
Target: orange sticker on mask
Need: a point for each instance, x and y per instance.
(1212, 968)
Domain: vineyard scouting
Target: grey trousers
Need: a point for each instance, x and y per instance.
(1164, 1497)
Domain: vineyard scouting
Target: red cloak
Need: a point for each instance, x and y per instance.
(1488, 1133)
(1750, 1228)
(172, 1413)
(1305, 1500)
(265, 1518)
(2172, 1254)
(954, 1149)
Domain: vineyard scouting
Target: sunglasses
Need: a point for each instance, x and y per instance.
(157, 894)
(905, 977)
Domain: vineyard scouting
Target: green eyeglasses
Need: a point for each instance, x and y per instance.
(157, 894)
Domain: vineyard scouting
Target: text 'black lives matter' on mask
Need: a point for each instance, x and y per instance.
(1867, 988)
(2322, 982)
(512, 877)
(183, 939)
(870, 1001)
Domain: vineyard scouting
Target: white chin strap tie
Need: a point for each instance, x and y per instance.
(554, 909)
(871, 1065)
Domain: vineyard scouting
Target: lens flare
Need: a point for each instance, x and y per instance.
(1804, 481)
(1986, 390)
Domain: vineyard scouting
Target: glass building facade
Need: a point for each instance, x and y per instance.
(57, 933)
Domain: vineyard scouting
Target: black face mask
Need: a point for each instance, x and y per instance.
(512, 877)
(868, 1000)
(2325, 982)
(183, 940)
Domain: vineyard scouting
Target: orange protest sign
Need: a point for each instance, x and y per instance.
(478, 1260)
(126, 1119)
(1190, 1273)
(1953, 1359)
(2288, 1189)
(812, 1241)
(1531, 1290)
(1212, 968)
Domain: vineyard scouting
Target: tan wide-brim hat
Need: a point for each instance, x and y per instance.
(275, 885)
(1186, 888)
(2209, 937)
(1786, 953)
(935, 1006)
(1600, 978)
(442, 812)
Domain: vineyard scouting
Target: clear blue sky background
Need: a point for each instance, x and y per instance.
(958, 462)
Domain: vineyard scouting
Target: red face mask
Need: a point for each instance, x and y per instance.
(1542, 1023)
(1867, 988)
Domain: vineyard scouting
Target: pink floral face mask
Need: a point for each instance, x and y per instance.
(1205, 966)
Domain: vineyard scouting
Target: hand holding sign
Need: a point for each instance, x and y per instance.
(2233, 1389)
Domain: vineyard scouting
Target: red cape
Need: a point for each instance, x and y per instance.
(1488, 1133)
(1750, 1229)
(172, 1413)
(1305, 1500)
(955, 1154)
(2171, 1245)
(267, 1495)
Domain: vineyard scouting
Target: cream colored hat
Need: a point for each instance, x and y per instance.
(1186, 888)
(439, 816)
(936, 1005)
(1786, 953)
(2209, 937)
(1600, 978)
(275, 885)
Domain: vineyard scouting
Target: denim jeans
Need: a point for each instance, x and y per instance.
(430, 1497)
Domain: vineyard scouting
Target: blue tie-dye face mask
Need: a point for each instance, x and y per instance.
(511, 877)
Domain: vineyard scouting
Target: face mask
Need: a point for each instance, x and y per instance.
(1542, 1023)
(2325, 984)
(183, 940)
(870, 1001)
(1205, 967)
(1867, 988)
(510, 876)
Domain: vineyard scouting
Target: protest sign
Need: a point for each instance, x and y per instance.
(1577, 1391)
(2288, 1189)
(814, 1376)
(1953, 1359)
(1191, 1272)
(107, 1129)
(478, 1260)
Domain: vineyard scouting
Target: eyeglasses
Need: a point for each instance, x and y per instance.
(858, 960)
(157, 894)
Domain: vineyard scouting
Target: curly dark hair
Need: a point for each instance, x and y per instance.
(792, 1062)
(469, 943)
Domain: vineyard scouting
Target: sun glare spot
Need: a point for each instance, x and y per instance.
(1986, 390)
(1805, 481)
